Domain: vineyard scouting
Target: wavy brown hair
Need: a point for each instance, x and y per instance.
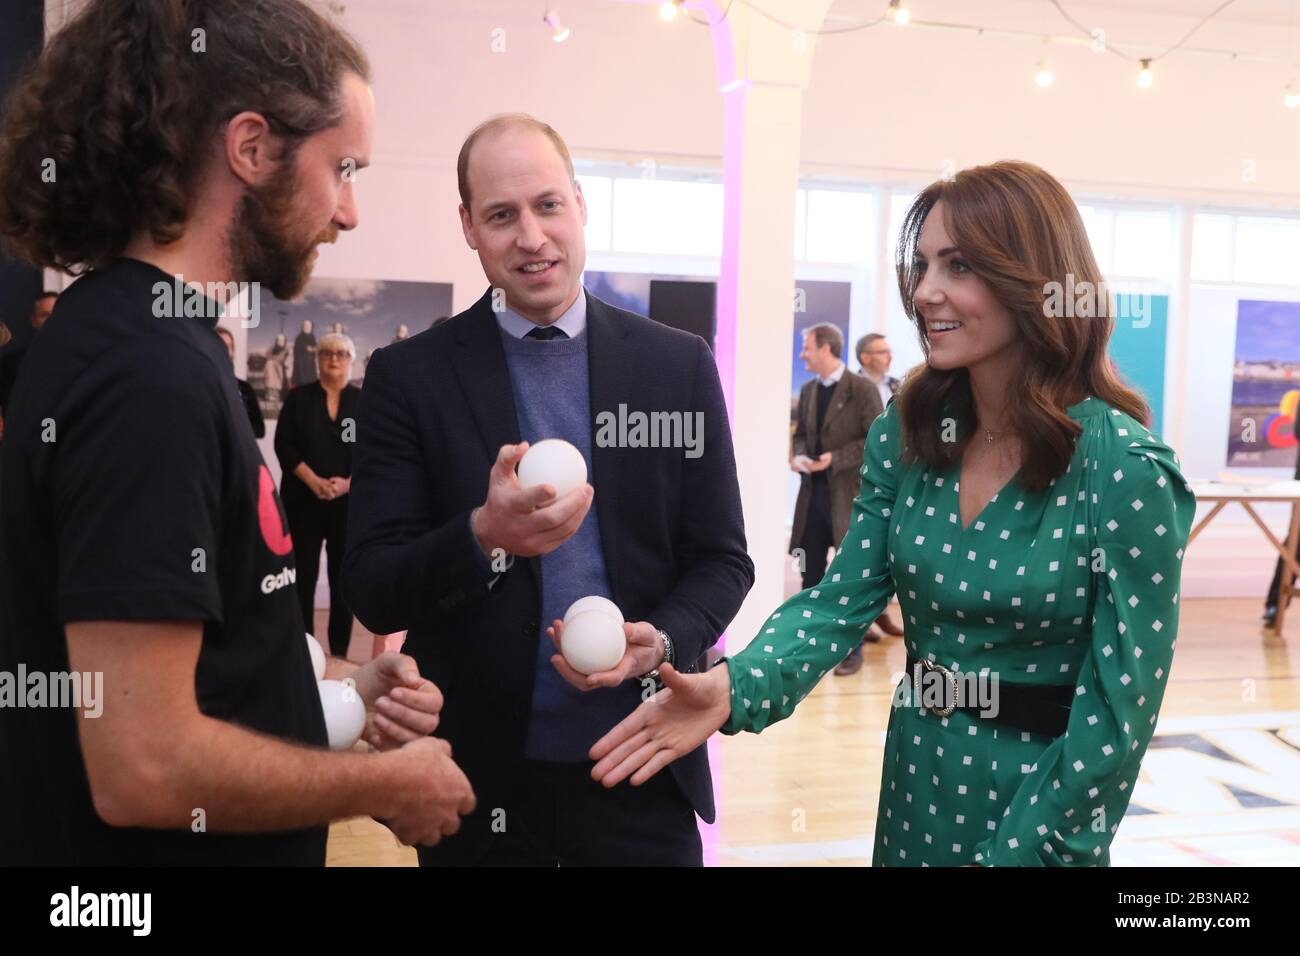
(1019, 231)
(123, 104)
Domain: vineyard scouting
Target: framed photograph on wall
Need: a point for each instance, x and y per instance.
(372, 312)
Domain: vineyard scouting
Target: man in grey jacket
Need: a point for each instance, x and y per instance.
(834, 414)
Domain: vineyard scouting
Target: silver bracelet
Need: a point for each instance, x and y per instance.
(667, 643)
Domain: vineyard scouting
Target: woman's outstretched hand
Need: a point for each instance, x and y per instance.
(668, 725)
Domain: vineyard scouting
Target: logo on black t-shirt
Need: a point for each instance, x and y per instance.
(273, 582)
(269, 516)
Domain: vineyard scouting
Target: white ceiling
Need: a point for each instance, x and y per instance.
(1245, 11)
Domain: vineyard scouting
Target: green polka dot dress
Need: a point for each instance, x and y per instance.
(1076, 584)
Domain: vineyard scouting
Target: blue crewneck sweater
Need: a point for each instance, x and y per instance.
(553, 400)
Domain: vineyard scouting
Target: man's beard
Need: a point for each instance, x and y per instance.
(262, 249)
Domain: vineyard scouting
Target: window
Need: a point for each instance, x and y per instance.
(1246, 248)
(841, 226)
(899, 204)
(1212, 247)
(667, 217)
(1144, 243)
(1131, 242)
(598, 192)
(1267, 250)
(1100, 224)
(800, 224)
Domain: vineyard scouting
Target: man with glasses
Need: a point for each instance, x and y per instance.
(874, 356)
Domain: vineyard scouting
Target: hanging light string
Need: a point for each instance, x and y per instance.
(810, 31)
(1148, 59)
(1071, 40)
(897, 11)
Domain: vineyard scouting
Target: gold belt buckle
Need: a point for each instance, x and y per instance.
(952, 683)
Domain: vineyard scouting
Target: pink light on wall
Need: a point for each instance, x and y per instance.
(733, 90)
(726, 337)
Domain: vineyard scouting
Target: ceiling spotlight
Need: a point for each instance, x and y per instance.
(899, 13)
(668, 11)
(1044, 76)
(559, 32)
(1145, 76)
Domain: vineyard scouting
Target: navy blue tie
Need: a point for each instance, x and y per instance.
(546, 333)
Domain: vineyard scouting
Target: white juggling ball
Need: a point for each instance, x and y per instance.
(553, 462)
(345, 713)
(593, 603)
(317, 657)
(592, 641)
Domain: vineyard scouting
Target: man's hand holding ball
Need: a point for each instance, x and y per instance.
(645, 652)
(602, 650)
(529, 521)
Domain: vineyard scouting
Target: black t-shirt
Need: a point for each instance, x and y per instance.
(127, 448)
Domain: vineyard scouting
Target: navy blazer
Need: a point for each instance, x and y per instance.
(434, 412)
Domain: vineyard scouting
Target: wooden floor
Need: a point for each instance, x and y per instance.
(1219, 786)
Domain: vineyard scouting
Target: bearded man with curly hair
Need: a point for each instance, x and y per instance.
(174, 153)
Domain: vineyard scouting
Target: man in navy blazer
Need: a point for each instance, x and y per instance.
(444, 542)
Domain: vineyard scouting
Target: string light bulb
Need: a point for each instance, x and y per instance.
(559, 32)
(1291, 98)
(1145, 76)
(1044, 76)
(899, 13)
(668, 10)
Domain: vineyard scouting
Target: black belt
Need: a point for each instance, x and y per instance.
(1037, 708)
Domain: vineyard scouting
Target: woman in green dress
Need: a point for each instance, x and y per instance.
(1033, 529)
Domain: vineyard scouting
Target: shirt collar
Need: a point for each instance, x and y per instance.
(572, 323)
(834, 377)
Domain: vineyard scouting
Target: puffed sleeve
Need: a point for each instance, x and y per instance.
(1068, 807)
(816, 629)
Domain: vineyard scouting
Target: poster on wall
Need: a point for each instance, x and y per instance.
(372, 312)
(1137, 347)
(1265, 385)
(816, 302)
(688, 303)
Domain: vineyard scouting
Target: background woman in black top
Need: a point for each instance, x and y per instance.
(313, 441)
(246, 392)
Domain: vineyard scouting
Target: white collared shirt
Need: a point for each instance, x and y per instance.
(572, 323)
(834, 377)
(882, 386)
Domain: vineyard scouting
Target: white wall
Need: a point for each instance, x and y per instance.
(906, 99)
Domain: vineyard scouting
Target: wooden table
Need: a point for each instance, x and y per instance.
(1288, 492)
